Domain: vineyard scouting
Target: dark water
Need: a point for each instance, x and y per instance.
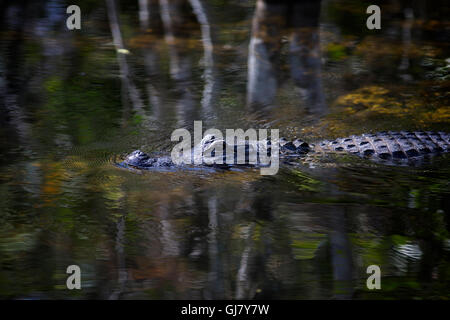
(74, 101)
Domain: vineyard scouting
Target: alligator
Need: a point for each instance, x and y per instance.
(392, 148)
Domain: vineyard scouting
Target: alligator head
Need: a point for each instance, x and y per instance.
(139, 159)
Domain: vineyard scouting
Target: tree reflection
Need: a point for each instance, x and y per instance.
(299, 21)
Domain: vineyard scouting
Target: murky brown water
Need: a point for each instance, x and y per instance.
(74, 101)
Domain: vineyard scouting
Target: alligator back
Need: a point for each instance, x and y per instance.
(390, 147)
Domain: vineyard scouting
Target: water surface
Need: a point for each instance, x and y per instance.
(73, 102)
